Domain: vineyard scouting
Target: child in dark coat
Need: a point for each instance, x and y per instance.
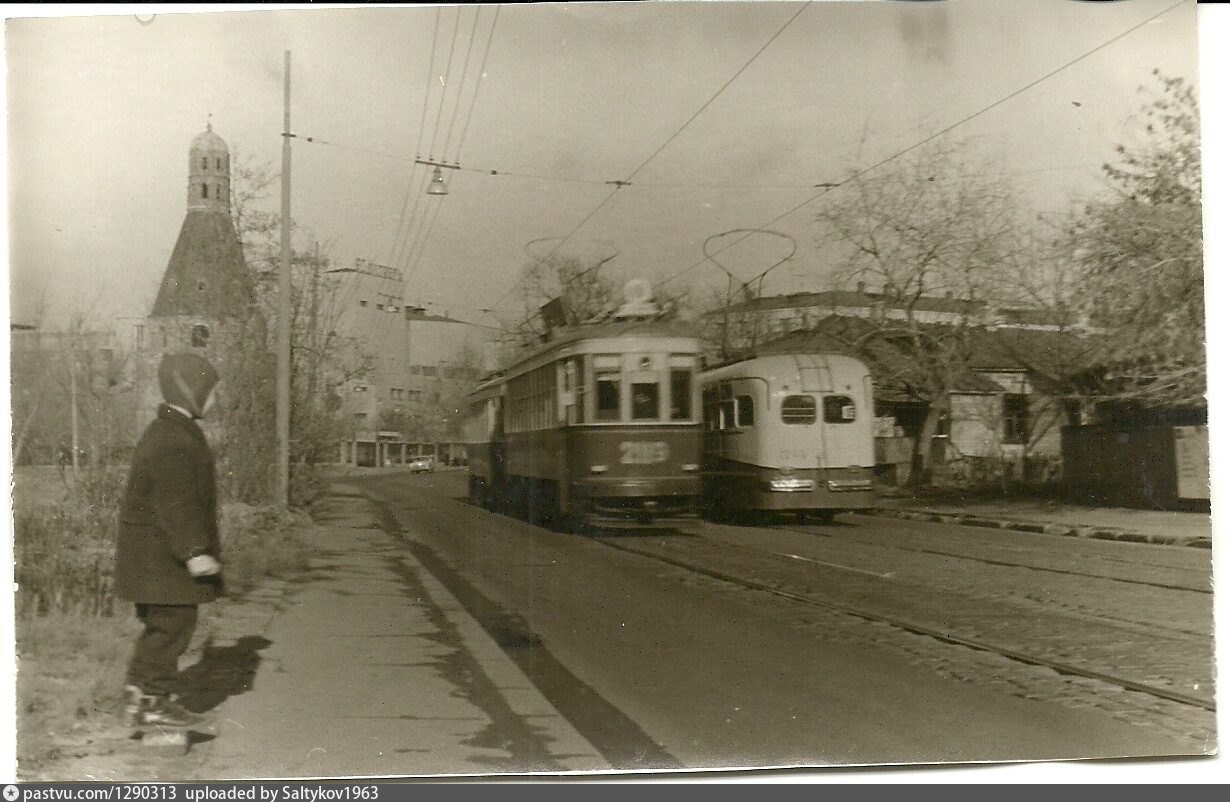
(167, 554)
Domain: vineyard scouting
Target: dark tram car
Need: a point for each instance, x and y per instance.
(601, 425)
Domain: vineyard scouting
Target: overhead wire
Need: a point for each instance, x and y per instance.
(482, 73)
(444, 82)
(618, 185)
(465, 69)
(431, 68)
(945, 130)
(558, 179)
(405, 226)
(413, 259)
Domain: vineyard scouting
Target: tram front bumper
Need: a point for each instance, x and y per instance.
(639, 496)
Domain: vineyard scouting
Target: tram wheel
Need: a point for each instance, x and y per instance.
(825, 516)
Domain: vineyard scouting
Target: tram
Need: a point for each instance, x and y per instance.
(599, 425)
(789, 433)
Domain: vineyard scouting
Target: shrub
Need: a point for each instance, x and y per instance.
(64, 560)
(261, 541)
(65, 552)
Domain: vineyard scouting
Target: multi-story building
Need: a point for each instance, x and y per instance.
(408, 372)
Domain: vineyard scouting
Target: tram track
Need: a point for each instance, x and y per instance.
(891, 576)
(1003, 563)
(956, 635)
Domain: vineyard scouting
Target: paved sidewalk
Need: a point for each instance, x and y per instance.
(372, 668)
(1105, 523)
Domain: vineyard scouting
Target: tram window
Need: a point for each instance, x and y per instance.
(838, 409)
(645, 401)
(681, 394)
(709, 408)
(607, 381)
(746, 413)
(606, 402)
(580, 391)
(799, 409)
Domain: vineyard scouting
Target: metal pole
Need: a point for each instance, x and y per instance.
(73, 401)
(283, 402)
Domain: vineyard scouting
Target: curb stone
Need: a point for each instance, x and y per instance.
(1065, 530)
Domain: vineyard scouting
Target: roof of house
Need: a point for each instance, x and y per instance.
(835, 299)
(1049, 356)
(414, 316)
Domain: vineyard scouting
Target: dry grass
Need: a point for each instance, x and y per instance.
(74, 636)
(70, 673)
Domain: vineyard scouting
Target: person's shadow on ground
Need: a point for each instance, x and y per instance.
(222, 672)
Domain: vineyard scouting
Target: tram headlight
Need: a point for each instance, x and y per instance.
(790, 484)
(598, 469)
(846, 485)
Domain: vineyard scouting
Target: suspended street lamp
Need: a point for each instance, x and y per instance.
(437, 185)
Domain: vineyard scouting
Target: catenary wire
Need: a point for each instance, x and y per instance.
(444, 85)
(947, 129)
(620, 184)
(465, 70)
(482, 73)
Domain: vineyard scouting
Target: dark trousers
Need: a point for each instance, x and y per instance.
(154, 667)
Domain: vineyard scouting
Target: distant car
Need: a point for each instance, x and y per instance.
(421, 465)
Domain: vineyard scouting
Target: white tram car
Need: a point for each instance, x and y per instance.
(791, 432)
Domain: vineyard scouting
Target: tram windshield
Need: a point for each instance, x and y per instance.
(607, 385)
(643, 387)
(644, 400)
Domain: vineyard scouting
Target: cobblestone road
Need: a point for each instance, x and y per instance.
(1140, 613)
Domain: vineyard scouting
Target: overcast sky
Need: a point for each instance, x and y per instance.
(102, 110)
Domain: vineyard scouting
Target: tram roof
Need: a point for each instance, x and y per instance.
(608, 330)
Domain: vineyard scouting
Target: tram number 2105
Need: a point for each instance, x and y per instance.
(641, 452)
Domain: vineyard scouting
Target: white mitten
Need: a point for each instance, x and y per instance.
(203, 565)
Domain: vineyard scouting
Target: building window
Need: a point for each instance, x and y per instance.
(1016, 418)
(218, 162)
(200, 336)
(218, 191)
(200, 286)
(205, 191)
(362, 303)
(204, 162)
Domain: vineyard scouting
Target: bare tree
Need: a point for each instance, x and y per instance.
(322, 358)
(69, 393)
(576, 290)
(931, 225)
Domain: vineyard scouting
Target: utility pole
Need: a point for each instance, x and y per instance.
(73, 401)
(283, 401)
